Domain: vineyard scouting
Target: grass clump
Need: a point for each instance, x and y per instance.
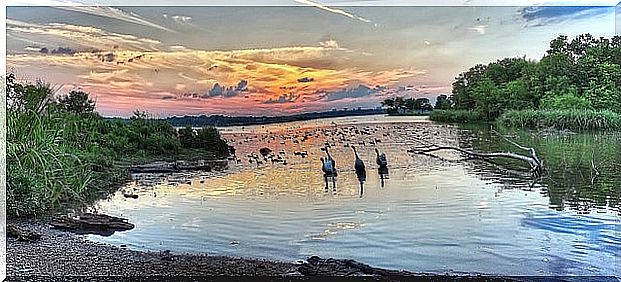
(562, 119)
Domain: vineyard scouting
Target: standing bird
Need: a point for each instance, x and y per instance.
(358, 164)
(381, 159)
(331, 160)
(361, 171)
(326, 167)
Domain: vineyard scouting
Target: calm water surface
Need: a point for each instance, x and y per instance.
(427, 214)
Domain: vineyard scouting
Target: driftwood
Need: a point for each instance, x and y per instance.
(89, 223)
(536, 165)
(316, 266)
(22, 234)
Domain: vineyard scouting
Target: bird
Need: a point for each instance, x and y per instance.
(333, 163)
(381, 159)
(358, 164)
(326, 167)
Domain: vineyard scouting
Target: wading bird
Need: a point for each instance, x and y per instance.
(381, 159)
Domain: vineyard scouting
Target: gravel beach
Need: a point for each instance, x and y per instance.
(61, 254)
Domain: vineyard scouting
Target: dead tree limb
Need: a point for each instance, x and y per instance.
(536, 165)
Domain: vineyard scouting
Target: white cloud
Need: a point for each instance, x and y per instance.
(479, 28)
(333, 10)
(113, 13)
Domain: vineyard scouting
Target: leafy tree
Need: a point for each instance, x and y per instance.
(442, 103)
(605, 96)
(422, 104)
(567, 101)
(581, 73)
(77, 102)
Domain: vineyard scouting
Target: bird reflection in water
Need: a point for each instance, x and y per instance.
(362, 177)
(383, 174)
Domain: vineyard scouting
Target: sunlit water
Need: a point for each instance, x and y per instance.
(429, 215)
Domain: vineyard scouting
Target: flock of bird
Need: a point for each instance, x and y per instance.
(346, 136)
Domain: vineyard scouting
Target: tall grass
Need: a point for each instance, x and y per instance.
(41, 170)
(562, 119)
(455, 116)
(55, 156)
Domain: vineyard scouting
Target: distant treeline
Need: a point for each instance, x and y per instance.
(222, 120)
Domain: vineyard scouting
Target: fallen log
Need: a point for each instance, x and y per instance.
(89, 223)
(536, 165)
(22, 234)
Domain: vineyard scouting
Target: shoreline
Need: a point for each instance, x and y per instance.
(64, 256)
(62, 253)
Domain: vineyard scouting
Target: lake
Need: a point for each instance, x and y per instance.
(429, 214)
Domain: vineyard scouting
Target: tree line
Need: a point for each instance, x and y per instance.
(583, 73)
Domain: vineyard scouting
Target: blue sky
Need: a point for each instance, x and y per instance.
(300, 56)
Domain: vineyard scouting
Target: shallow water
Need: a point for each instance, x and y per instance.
(428, 214)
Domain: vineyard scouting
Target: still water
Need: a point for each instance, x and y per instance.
(427, 215)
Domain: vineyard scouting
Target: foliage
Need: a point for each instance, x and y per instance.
(60, 152)
(206, 137)
(402, 104)
(562, 119)
(579, 74)
(77, 102)
(455, 116)
(443, 103)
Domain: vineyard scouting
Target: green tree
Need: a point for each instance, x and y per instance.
(442, 103)
(603, 96)
(77, 102)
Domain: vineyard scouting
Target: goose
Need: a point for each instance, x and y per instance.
(381, 159)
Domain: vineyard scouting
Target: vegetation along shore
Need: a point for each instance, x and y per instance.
(59, 151)
(576, 85)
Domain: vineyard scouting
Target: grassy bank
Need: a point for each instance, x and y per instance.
(562, 119)
(60, 151)
(455, 116)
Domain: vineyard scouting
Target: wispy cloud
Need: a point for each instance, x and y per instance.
(333, 10)
(79, 36)
(552, 14)
(178, 19)
(479, 28)
(113, 13)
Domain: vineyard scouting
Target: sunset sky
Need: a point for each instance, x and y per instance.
(303, 56)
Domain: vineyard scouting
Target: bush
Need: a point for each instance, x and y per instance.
(455, 116)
